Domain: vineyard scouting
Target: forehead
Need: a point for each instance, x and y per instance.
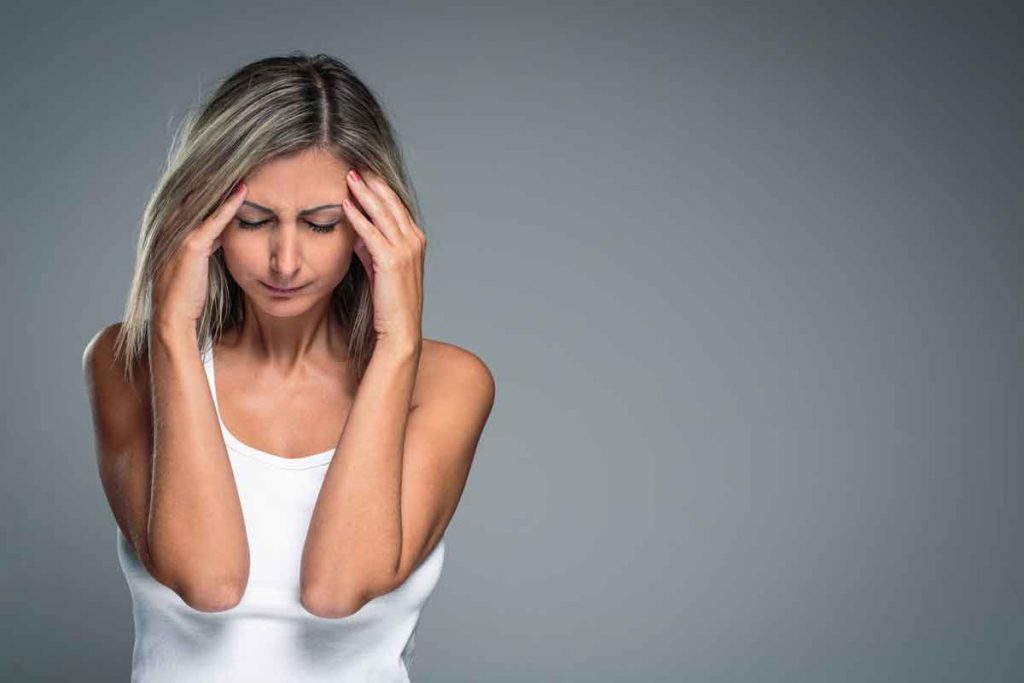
(296, 181)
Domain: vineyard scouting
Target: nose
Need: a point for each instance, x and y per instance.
(285, 254)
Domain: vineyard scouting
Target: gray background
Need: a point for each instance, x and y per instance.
(749, 278)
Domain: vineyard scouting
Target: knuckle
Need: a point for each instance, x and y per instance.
(193, 242)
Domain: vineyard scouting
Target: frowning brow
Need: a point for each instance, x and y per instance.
(304, 212)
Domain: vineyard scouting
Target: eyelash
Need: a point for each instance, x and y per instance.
(316, 227)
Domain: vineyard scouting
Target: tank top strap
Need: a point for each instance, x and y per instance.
(207, 357)
(206, 351)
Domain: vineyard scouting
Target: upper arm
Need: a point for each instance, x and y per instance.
(123, 437)
(441, 438)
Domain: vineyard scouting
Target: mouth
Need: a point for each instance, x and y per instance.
(281, 292)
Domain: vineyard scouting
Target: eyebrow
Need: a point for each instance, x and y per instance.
(304, 212)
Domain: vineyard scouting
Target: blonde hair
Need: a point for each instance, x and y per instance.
(274, 106)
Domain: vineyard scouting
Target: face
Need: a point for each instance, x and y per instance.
(284, 236)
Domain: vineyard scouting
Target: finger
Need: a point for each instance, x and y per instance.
(374, 206)
(213, 226)
(390, 200)
(375, 243)
(398, 209)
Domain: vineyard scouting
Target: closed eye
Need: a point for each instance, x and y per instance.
(316, 227)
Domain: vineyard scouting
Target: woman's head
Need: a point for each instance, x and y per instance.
(291, 126)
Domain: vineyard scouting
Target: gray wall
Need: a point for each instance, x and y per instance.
(749, 279)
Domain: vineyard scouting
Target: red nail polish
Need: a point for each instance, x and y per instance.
(355, 175)
(238, 187)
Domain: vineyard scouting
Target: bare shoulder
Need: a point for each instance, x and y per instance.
(98, 356)
(99, 364)
(446, 368)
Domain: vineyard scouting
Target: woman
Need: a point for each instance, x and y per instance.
(281, 449)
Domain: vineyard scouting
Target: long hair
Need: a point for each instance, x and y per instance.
(274, 106)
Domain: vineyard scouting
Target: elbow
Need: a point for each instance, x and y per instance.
(210, 596)
(332, 605)
(213, 592)
(342, 596)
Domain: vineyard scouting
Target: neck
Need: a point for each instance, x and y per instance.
(284, 342)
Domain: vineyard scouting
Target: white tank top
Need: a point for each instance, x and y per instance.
(269, 636)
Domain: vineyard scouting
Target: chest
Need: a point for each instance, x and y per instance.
(289, 418)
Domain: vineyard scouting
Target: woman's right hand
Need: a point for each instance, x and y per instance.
(179, 290)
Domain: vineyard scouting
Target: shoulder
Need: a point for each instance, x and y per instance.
(99, 351)
(447, 369)
(100, 365)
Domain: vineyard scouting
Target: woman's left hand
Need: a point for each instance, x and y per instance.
(392, 249)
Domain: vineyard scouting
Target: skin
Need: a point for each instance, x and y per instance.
(405, 440)
(280, 378)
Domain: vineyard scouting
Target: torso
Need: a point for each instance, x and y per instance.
(270, 635)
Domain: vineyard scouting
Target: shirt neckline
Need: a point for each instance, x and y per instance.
(237, 445)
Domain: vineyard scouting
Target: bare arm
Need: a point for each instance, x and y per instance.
(196, 529)
(161, 454)
(191, 538)
(399, 469)
(355, 533)
(396, 478)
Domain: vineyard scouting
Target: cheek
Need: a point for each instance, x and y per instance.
(229, 240)
(334, 262)
(240, 254)
(334, 254)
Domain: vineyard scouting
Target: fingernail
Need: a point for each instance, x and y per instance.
(355, 175)
(238, 187)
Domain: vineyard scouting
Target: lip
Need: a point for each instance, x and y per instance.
(281, 292)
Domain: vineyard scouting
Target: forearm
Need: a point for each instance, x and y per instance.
(196, 529)
(354, 541)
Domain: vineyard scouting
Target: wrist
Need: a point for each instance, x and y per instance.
(399, 347)
(172, 329)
